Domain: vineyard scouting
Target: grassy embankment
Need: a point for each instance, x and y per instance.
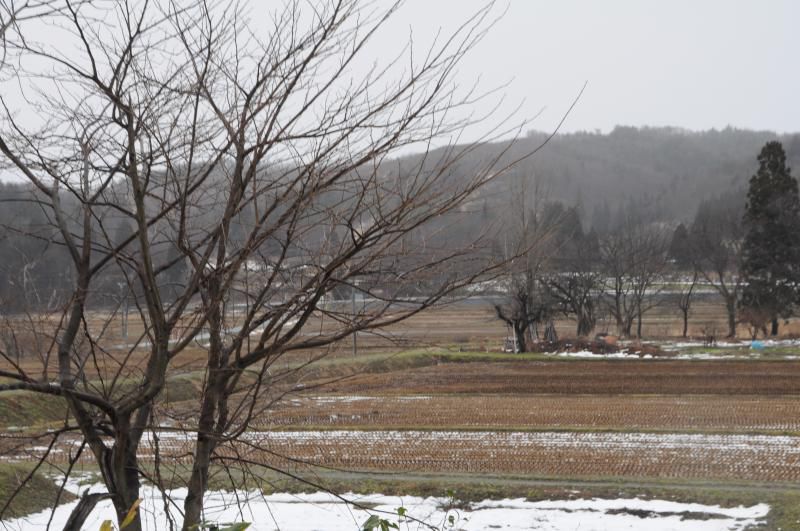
(38, 493)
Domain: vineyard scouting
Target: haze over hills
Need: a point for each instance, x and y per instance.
(653, 174)
(666, 171)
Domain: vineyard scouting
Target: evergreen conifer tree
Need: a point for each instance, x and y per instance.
(771, 247)
(680, 247)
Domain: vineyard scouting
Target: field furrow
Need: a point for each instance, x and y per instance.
(631, 413)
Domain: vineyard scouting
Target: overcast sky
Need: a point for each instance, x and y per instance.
(696, 64)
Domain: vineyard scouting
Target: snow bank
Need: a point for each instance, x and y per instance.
(289, 512)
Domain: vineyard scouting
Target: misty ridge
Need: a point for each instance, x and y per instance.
(661, 173)
(657, 175)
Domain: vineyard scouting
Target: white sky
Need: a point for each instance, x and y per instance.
(697, 64)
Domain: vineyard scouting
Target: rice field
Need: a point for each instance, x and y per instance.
(584, 412)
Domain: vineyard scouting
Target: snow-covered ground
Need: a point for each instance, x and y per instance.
(738, 350)
(493, 440)
(590, 354)
(763, 343)
(321, 511)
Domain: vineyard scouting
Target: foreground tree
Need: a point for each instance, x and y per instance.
(771, 247)
(223, 180)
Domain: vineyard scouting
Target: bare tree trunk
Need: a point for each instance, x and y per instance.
(774, 331)
(585, 324)
(124, 500)
(639, 323)
(198, 482)
(84, 508)
(121, 473)
(519, 333)
(685, 312)
(730, 305)
(206, 440)
(624, 324)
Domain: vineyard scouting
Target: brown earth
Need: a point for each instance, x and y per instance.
(541, 418)
(584, 412)
(677, 377)
(541, 454)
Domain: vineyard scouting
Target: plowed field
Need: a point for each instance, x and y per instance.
(729, 457)
(679, 377)
(691, 412)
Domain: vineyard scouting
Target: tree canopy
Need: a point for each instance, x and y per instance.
(771, 246)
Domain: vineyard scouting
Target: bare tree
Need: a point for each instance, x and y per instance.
(716, 237)
(197, 168)
(526, 235)
(576, 282)
(525, 307)
(683, 267)
(685, 292)
(634, 259)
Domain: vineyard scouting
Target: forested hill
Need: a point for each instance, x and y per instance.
(666, 171)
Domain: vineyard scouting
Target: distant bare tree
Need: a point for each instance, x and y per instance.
(634, 260)
(755, 319)
(527, 234)
(576, 284)
(716, 240)
(685, 292)
(526, 306)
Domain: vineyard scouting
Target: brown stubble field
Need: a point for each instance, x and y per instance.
(587, 377)
(470, 326)
(454, 406)
(690, 413)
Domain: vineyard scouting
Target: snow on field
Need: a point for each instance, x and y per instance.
(622, 355)
(608, 441)
(677, 345)
(319, 511)
(763, 343)
(713, 356)
(590, 354)
(757, 445)
(739, 350)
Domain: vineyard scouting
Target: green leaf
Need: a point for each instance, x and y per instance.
(372, 523)
(106, 526)
(240, 526)
(376, 522)
(402, 511)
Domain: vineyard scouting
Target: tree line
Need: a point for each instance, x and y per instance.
(746, 247)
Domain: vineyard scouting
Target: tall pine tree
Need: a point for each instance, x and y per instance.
(771, 247)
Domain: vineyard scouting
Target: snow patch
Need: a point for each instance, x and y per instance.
(323, 511)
